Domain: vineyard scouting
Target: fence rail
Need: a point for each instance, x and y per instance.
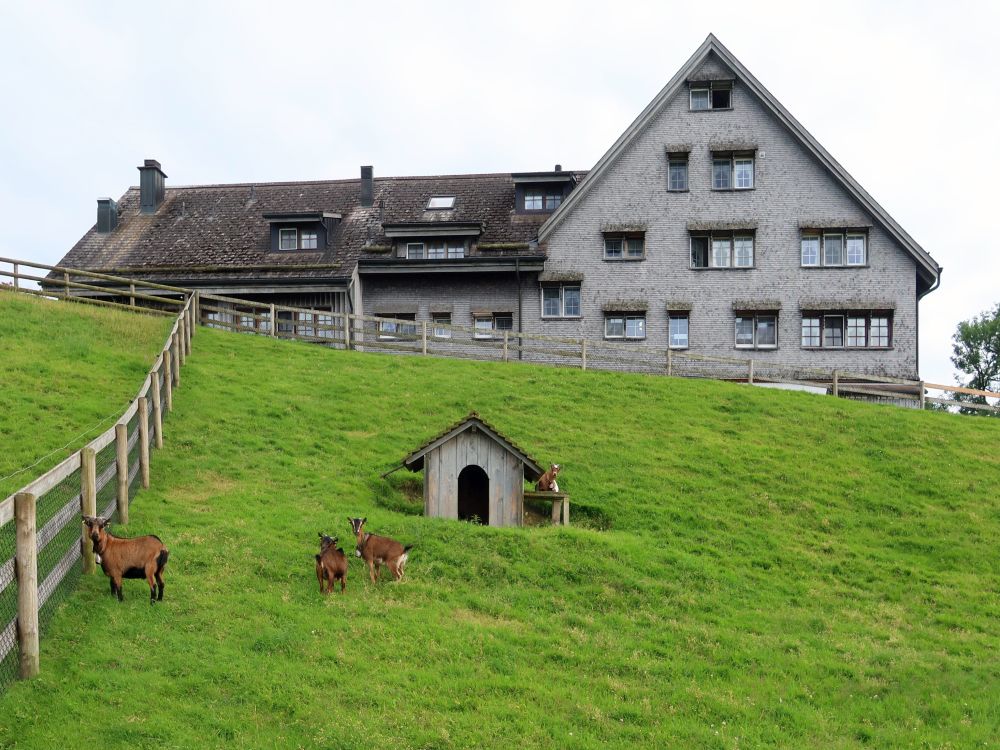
(43, 546)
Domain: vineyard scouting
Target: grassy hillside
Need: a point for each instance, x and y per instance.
(753, 569)
(63, 369)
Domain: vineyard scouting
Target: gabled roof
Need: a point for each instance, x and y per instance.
(928, 269)
(221, 232)
(415, 461)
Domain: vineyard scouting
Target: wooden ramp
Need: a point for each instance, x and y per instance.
(559, 500)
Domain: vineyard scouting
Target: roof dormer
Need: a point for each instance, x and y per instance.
(307, 231)
(541, 192)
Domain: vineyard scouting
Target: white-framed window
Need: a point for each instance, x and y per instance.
(677, 172)
(756, 331)
(245, 321)
(810, 331)
(396, 329)
(852, 330)
(441, 322)
(492, 325)
(679, 330)
(286, 323)
(835, 249)
(711, 95)
(542, 200)
(561, 301)
(810, 249)
(732, 171)
(415, 250)
(441, 202)
(722, 250)
(309, 239)
(630, 246)
(265, 321)
(441, 249)
(304, 325)
(324, 326)
(625, 325)
(288, 239)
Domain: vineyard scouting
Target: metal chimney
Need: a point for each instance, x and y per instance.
(151, 186)
(107, 215)
(367, 187)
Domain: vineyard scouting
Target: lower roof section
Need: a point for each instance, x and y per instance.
(401, 266)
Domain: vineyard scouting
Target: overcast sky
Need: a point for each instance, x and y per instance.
(903, 94)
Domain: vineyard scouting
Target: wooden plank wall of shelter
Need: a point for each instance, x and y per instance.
(473, 448)
(341, 330)
(101, 478)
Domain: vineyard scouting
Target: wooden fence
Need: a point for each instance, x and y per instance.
(43, 544)
(343, 330)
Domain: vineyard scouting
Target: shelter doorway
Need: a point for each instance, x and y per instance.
(474, 495)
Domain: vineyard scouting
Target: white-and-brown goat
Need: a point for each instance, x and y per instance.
(331, 564)
(141, 557)
(379, 550)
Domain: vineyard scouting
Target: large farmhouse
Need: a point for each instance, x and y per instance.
(715, 224)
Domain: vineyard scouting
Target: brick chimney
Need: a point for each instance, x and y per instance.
(151, 186)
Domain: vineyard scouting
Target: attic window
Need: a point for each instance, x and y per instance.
(441, 202)
(288, 239)
(712, 95)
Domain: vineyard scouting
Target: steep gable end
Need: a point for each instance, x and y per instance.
(713, 62)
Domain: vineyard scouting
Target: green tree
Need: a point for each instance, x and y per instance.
(976, 352)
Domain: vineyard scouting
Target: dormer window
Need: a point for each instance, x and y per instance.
(288, 239)
(441, 202)
(711, 95)
(308, 240)
(542, 200)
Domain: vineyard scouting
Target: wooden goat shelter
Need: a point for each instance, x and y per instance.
(473, 472)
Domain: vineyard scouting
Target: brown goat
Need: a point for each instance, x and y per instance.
(331, 565)
(547, 482)
(377, 550)
(142, 557)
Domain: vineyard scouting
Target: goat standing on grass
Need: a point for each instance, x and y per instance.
(378, 550)
(142, 557)
(331, 565)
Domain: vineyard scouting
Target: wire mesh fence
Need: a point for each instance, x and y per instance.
(8, 607)
(59, 544)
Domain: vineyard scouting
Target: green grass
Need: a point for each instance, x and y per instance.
(754, 569)
(63, 369)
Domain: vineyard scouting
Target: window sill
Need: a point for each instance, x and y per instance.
(562, 317)
(633, 259)
(734, 190)
(712, 109)
(756, 348)
(677, 190)
(723, 268)
(848, 348)
(678, 348)
(842, 266)
(624, 338)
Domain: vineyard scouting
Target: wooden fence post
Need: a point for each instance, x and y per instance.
(506, 342)
(274, 322)
(175, 355)
(144, 441)
(88, 492)
(181, 338)
(121, 470)
(157, 413)
(347, 331)
(583, 354)
(836, 383)
(923, 396)
(750, 372)
(26, 562)
(670, 361)
(17, 285)
(66, 281)
(168, 379)
(424, 337)
(131, 299)
(187, 333)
